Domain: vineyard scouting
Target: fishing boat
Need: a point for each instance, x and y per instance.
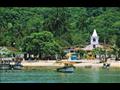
(17, 66)
(10, 65)
(4, 66)
(66, 69)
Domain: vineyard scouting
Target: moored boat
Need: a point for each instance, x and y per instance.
(17, 66)
(4, 66)
(10, 65)
(68, 68)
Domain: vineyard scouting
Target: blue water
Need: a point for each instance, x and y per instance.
(49, 75)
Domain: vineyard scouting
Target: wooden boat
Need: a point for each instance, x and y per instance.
(4, 66)
(10, 65)
(68, 68)
(16, 66)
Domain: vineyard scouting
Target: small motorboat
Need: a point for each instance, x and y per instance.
(66, 69)
(16, 66)
(4, 66)
(10, 65)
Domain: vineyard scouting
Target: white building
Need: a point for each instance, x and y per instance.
(94, 41)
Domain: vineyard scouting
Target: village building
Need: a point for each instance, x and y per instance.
(94, 42)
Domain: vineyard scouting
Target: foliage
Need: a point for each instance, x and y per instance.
(41, 43)
(70, 26)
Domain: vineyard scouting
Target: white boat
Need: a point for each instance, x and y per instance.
(4, 66)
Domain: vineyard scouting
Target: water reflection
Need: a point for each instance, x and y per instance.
(95, 75)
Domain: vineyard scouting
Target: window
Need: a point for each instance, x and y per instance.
(94, 40)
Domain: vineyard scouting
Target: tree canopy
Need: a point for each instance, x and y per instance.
(41, 44)
(69, 25)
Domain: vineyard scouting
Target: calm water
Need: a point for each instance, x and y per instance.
(49, 75)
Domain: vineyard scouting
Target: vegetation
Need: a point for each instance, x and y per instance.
(65, 26)
(42, 44)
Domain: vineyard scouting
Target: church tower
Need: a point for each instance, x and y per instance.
(94, 39)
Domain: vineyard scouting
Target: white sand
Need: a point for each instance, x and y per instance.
(85, 63)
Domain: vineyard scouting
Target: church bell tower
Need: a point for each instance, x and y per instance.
(94, 39)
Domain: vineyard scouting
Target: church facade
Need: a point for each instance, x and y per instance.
(94, 42)
(94, 39)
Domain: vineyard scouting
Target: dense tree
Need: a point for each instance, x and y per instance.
(70, 26)
(42, 44)
(57, 21)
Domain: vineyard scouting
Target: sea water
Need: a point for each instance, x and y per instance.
(49, 75)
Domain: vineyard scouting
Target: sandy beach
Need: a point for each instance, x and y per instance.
(83, 63)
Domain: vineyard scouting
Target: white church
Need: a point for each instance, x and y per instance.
(94, 42)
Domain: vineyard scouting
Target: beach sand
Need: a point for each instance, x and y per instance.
(83, 63)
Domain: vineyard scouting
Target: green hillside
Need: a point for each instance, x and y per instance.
(68, 26)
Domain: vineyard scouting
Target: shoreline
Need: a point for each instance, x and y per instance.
(52, 63)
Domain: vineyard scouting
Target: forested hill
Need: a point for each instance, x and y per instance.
(70, 25)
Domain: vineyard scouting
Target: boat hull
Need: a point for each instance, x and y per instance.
(4, 66)
(10, 67)
(66, 69)
(17, 67)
